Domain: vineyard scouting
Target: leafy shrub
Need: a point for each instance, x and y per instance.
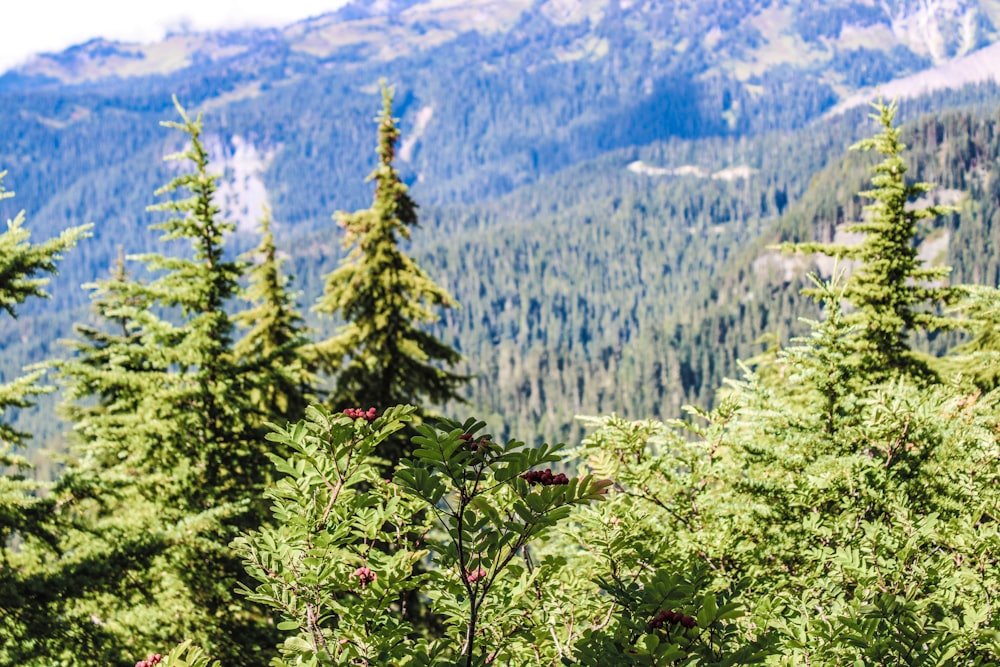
(517, 563)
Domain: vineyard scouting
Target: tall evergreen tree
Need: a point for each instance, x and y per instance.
(383, 355)
(106, 368)
(206, 392)
(171, 457)
(23, 266)
(275, 335)
(892, 292)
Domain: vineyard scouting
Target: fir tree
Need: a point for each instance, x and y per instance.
(275, 335)
(891, 291)
(106, 367)
(206, 394)
(820, 371)
(383, 355)
(170, 453)
(23, 266)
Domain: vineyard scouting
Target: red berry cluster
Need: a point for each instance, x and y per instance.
(475, 575)
(371, 414)
(365, 576)
(153, 659)
(675, 617)
(482, 445)
(544, 477)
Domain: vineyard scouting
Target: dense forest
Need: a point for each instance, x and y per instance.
(546, 300)
(762, 322)
(222, 504)
(664, 169)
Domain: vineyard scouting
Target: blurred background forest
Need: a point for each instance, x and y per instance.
(599, 181)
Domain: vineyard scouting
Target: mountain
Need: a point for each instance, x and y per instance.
(595, 176)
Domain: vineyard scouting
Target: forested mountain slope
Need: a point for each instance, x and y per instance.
(596, 178)
(643, 299)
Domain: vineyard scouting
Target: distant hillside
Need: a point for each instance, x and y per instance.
(494, 93)
(977, 67)
(591, 173)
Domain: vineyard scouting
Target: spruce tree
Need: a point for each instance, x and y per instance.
(382, 355)
(23, 266)
(23, 516)
(275, 335)
(892, 293)
(206, 393)
(169, 446)
(106, 367)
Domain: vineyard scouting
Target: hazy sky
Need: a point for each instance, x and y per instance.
(36, 26)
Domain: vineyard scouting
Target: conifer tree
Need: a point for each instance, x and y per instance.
(383, 355)
(106, 366)
(979, 357)
(23, 266)
(275, 335)
(170, 452)
(206, 393)
(22, 269)
(892, 292)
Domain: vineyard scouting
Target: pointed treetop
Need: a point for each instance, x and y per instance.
(892, 292)
(388, 130)
(383, 355)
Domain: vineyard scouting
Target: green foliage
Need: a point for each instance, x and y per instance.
(275, 334)
(342, 549)
(24, 517)
(23, 262)
(187, 655)
(346, 544)
(835, 507)
(381, 354)
(525, 567)
(489, 507)
(23, 266)
(169, 458)
(891, 290)
(978, 357)
(868, 514)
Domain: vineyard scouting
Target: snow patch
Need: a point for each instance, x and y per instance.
(980, 66)
(571, 12)
(939, 28)
(733, 173)
(242, 194)
(409, 142)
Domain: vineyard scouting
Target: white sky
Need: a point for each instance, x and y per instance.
(38, 26)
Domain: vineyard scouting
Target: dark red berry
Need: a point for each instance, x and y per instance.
(544, 477)
(371, 414)
(365, 576)
(475, 575)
